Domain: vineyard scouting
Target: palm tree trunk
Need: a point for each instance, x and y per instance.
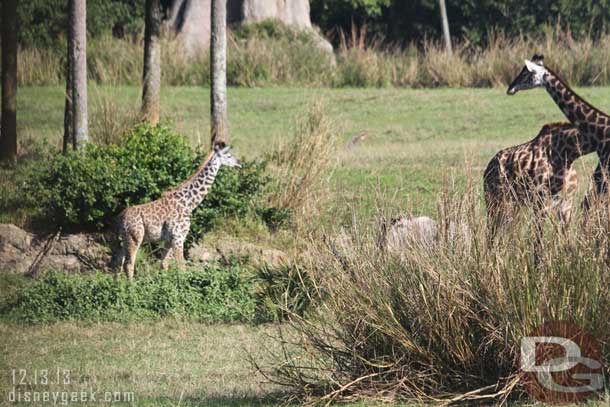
(218, 50)
(8, 125)
(79, 74)
(151, 77)
(446, 33)
(69, 141)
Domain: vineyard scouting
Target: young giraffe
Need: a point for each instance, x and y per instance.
(538, 173)
(168, 218)
(591, 122)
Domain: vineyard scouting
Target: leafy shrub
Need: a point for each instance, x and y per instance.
(211, 294)
(85, 190)
(234, 194)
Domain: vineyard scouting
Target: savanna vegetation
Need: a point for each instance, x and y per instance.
(332, 147)
(369, 318)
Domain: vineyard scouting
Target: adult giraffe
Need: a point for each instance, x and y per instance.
(591, 122)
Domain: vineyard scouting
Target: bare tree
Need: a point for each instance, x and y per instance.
(8, 126)
(446, 33)
(68, 134)
(79, 74)
(151, 76)
(218, 51)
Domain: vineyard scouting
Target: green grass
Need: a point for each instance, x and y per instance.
(162, 363)
(415, 137)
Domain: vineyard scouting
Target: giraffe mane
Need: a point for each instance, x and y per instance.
(576, 95)
(194, 174)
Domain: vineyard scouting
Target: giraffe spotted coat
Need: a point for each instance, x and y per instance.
(538, 174)
(168, 219)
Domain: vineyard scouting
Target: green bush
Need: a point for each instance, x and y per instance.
(211, 294)
(86, 190)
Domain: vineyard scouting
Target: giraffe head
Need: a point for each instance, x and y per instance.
(226, 158)
(531, 76)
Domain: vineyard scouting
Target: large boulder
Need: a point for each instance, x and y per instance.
(190, 19)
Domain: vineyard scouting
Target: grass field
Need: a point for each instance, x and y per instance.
(415, 138)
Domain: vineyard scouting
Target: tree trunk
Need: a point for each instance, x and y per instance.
(446, 33)
(218, 51)
(79, 74)
(8, 126)
(69, 141)
(151, 77)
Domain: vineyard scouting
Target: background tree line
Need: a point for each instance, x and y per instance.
(43, 22)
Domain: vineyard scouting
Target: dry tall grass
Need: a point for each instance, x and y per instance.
(440, 322)
(295, 59)
(109, 121)
(301, 164)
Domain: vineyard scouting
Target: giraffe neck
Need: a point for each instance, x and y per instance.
(196, 187)
(589, 120)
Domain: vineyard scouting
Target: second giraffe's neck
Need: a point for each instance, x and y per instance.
(196, 187)
(588, 119)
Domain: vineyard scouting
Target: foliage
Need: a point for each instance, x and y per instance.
(261, 59)
(403, 22)
(43, 23)
(87, 189)
(434, 321)
(212, 293)
(234, 194)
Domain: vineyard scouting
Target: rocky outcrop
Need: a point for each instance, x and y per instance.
(22, 252)
(222, 250)
(190, 19)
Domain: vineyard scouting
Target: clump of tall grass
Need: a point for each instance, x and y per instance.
(440, 322)
(109, 121)
(301, 164)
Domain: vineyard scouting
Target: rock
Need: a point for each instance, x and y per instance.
(75, 252)
(13, 260)
(203, 254)
(68, 263)
(11, 235)
(190, 19)
(258, 255)
(291, 12)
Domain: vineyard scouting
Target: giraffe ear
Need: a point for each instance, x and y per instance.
(532, 67)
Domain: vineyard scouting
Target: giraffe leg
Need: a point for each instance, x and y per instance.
(179, 255)
(116, 264)
(132, 244)
(167, 252)
(178, 242)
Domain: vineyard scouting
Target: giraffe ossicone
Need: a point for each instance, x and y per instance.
(168, 219)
